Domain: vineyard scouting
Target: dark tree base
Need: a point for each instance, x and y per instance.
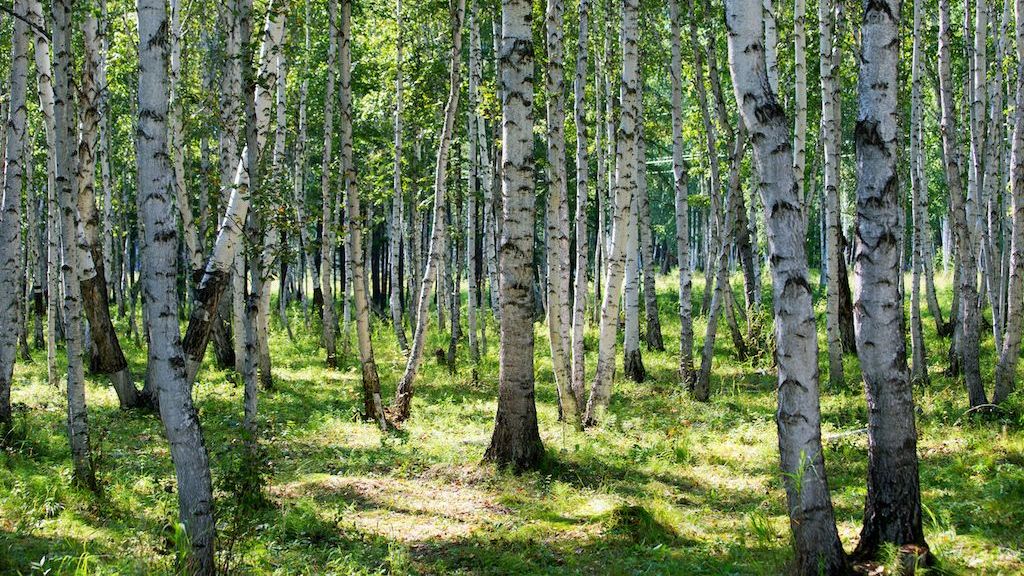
(633, 365)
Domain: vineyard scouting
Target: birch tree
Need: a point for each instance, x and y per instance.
(159, 276)
(680, 179)
(626, 159)
(106, 355)
(892, 512)
(218, 269)
(436, 248)
(579, 301)
(831, 139)
(1006, 368)
(919, 206)
(397, 203)
(516, 441)
(967, 331)
(557, 213)
(10, 213)
(327, 235)
(812, 521)
(65, 131)
(372, 405)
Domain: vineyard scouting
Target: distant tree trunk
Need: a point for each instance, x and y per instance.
(1006, 368)
(967, 314)
(327, 234)
(579, 304)
(11, 273)
(816, 540)
(166, 355)
(516, 439)
(800, 97)
(217, 273)
(65, 130)
(626, 158)
(892, 512)
(435, 251)
(397, 225)
(680, 184)
(557, 213)
(919, 207)
(828, 58)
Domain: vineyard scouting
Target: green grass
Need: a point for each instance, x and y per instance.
(665, 485)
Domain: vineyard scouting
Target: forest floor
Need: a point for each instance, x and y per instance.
(665, 485)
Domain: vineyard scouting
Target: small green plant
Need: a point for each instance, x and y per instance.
(761, 527)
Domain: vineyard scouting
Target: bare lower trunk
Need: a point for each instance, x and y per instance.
(828, 55)
(815, 538)
(327, 233)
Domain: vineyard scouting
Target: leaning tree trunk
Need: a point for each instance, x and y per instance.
(65, 131)
(680, 183)
(218, 270)
(10, 214)
(516, 439)
(812, 521)
(372, 405)
(892, 511)
(1006, 369)
(557, 213)
(579, 302)
(106, 354)
(159, 274)
(966, 314)
(626, 159)
(435, 251)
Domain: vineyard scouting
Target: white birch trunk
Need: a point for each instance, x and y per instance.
(436, 248)
(680, 182)
(397, 203)
(516, 439)
(11, 273)
(816, 540)
(625, 189)
(160, 264)
(218, 269)
(557, 213)
(1006, 368)
(579, 316)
